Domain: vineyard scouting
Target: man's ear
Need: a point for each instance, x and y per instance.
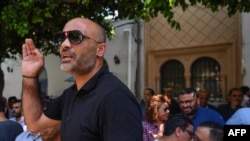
(101, 49)
(178, 131)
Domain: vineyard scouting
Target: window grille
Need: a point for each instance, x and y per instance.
(172, 75)
(206, 73)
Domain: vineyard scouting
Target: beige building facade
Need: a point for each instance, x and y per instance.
(205, 38)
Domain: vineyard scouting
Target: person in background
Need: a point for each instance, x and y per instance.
(11, 100)
(6, 104)
(189, 106)
(98, 106)
(157, 112)
(246, 96)
(203, 98)
(18, 113)
(9, 130)
(49, 134)
(147, 94)
(209, 131)
(240, 117)
(174, 107)
(234, 98)
(178, 127)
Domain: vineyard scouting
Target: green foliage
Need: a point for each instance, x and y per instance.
(40, 19)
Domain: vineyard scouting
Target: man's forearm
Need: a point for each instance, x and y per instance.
(32, 107)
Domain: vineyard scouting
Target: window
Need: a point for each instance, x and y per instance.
(172, 75)
(205, 73)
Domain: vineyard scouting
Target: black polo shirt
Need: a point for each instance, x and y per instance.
(104, 109)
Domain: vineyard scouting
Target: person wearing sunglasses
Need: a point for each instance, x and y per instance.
(157, 112)
(98, 106)
(178, 127)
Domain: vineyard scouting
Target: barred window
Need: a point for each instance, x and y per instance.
(172, 75)
(206, 73)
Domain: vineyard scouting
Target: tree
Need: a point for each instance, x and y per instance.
(40, 19)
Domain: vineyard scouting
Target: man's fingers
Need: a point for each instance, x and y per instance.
(30, 43)
(30, 47)
(37, 52)
(24, 52)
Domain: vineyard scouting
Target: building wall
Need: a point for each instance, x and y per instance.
(246, 48)
(202, 34)
(129, 51)
(13, 80)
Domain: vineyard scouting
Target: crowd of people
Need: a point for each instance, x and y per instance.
(100, 107)
(206, 120)
(14, 128)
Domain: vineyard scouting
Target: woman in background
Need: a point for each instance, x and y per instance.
(157, 112)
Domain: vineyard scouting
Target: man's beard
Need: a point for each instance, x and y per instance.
(193, 111)
(17, 114)
(82, 65)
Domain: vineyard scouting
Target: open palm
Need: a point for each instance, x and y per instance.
(33, 60)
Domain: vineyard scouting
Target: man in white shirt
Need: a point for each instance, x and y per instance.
(18, 114)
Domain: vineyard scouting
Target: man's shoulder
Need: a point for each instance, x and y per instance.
(243, 110)
(104, 76)
(209, 114)
(12, 124)
(15, 124)
(109, 82)
(202, 110)
(241, 116)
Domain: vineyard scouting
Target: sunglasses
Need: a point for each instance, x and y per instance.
(75, 37)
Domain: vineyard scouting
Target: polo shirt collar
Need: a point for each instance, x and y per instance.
(92, 81)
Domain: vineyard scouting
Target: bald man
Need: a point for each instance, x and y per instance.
(98, 107)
